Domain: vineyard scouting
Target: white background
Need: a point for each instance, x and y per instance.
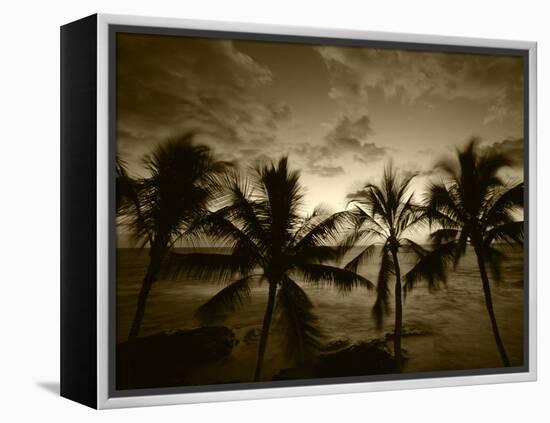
(29, 236)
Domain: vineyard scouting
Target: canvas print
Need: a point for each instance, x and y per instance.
(291, 211)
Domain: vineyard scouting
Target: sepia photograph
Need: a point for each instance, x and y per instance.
(308, 211)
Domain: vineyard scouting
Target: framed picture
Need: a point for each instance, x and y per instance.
(254, 211)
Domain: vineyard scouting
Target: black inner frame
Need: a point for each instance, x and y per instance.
(281, 38)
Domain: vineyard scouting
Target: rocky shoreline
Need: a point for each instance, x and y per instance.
(164, 359)
(167, 359)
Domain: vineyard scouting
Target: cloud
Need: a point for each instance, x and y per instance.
(170, 85)
(409, 173)
(349, 135)
(360, 193)
(346, 139)
(326, 171)
(494, 81)
(512, 148)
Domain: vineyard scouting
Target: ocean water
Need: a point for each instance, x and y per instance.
(450, 327)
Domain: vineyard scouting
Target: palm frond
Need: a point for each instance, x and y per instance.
(363, 218)
(441, 208)
(327, 232)
(296, 317)
(125, 191)
(358, 237)
(502, 204)
(489, 165)
(310, 221)
(403, 186)
(353, 240)
(245, 212)
(177, 191)
(385, 208)
(361, 258)
(441, 236)
(403, 211)
(375, 204)
(511, 232)
(411, 220)
(431, 265)
(475, 179)
(229, 299)
(390, 189)
(283, 196)
(219, 228)
(342, 279)
(210, 267)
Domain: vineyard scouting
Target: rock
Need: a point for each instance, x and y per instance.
(164, 359)
(336, 345)
(366, 358)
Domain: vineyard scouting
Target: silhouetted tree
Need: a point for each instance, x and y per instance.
(270, 243)
(472, 205)
(183, 179)
(386, 214)
(125, 191)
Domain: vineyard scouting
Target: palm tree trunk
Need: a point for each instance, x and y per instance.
(148, 280)
(489, 306)
(265, 330)
(398, 314)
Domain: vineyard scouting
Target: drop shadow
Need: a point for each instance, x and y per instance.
(51, 387)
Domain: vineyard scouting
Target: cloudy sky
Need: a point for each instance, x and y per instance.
(339, 113)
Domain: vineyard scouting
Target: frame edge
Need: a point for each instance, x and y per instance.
(106, 402)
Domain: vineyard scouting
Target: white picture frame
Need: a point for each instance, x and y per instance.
(103, 247)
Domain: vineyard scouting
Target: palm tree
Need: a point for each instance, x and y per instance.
(183, 178)
(259, 219)
(386, 214)
(473, 205)
(125, 190)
